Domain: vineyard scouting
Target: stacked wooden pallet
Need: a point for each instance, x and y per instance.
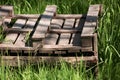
(33, 36)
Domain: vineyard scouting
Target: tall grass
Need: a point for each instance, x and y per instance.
(108, 41)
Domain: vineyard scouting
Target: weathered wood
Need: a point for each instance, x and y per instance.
(15, 48)
(65, 37)
(26, 16)
(91, 19)
(60, 47)
(58, 16)
(69, 16)
(6, 11)
(11, 37)
(44, 22)
(56, 24)
(51, 33)
(90, 24)
(95, 45)
(50, 39)
(24, 60)
(17, 30)
(65, 31)
(21, 40)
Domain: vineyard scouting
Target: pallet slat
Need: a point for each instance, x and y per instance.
(91, 19)
(44, 22)
(69, 16)
(24, 60)
(6, 11)
(90, 25)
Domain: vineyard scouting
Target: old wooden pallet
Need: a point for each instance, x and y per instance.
(49, 34)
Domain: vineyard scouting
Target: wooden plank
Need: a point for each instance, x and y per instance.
(58, 16)
(90, 25)
(65, 37)
(17, 30)
(15, 48)
(70, 16)
(21, 40)
(91, 19)
(87, 42)
(6, 10)
(24, 60)
(59, 47)
(11, 37)
(26, 16)
(44, 22)
(56, 24)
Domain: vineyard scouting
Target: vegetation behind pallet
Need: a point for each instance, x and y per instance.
(108, 38)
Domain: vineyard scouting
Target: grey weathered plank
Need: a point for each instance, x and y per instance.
(17, 30)
(26, 16)
(24, 60)
(65, 37)
(6, 11)
(15, 48)
(69, 16)
(90, 25)
(11, 37)
(58, 16)
(21, 40)
(91, 19)
(44, 22)
(60, 47)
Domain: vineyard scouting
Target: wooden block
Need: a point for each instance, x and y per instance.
(6, 11)
(65, 37)
(87, 42)
(51, 39)
(60, 47)
(44, 22)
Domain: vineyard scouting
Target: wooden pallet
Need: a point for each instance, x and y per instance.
(36, 36)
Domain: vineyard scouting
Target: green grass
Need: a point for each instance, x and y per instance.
(108, 42)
